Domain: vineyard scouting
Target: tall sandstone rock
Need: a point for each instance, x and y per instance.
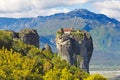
(28, 36)
(75, 47)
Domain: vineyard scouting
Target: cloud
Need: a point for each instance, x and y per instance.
(110, 8)
(73, 2)
(14, 6)
(34, 8)
(34, 13)
(27, 8)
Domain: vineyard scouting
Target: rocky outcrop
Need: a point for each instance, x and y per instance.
(75, 47)
(28, 36)
(47, 47)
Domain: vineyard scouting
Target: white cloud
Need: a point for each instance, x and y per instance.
(34, 13)
(110, 8)
(72, 2)
(32, 8)
(14, 6)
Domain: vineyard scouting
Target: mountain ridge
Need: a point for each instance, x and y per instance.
(105, 31)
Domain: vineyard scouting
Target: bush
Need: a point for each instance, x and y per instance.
(14, 66)
(19, 46)
(96, 77)
(6, 39)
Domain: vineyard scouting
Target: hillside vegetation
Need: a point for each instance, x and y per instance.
(19, 61)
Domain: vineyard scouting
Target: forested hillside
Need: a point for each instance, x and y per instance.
(20, 61)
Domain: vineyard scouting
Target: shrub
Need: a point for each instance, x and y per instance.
(6, 39)
(19, 46)
(96, 77)
(14, 66)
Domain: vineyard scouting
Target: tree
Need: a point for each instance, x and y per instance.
(15, 66)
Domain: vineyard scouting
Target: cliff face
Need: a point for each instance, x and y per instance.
(28, 36)
(75, 47)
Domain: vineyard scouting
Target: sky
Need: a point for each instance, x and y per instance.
(34, 8)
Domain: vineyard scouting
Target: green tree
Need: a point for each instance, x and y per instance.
(15, 66)
(5, 39)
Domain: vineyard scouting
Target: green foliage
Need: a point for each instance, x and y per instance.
(14, 66)
(36, 65)
(65, 74)
(48, 54)
(63, 71)
(19, 61)
(78, 73)
(19, 46)
(77, 32)
(5, 39)
(96, 77)
(58, 74)
(79, 35)
(59, 33)
(79, 59)
(58, 63)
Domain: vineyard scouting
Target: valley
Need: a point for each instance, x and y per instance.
(111, 75)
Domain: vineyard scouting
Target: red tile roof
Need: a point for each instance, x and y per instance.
(67, 29)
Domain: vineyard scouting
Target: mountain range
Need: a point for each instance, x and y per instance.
(105, 31)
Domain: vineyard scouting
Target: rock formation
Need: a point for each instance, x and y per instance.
(28, 36)
(75, 47)
(47, 47)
